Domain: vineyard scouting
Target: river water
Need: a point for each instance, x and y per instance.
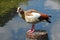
(16, 28)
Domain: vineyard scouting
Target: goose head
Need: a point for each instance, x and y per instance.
(20, 10)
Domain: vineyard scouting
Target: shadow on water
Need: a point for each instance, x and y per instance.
(9, 14)
(8, 10)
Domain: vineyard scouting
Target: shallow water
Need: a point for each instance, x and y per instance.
(16, 28)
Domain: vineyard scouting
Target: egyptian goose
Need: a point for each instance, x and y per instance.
(33, 16)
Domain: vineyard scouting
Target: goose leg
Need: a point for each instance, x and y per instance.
(32, 29)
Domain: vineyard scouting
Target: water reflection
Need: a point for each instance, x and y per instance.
(9, 15)
(16, 28)
(53, 4)
(8, 11)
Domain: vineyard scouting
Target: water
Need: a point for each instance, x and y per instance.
(16, 28)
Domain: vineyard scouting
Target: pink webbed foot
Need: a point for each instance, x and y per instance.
(30, 31)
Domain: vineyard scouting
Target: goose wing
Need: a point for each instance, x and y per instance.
(32, 17)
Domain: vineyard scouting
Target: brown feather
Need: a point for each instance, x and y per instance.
(44, 16)
(28, 12)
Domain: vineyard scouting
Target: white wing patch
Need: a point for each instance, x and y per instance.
(35, 15)
(33, 18)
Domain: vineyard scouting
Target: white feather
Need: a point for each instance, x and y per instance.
(19, 14)
(35, 15)
(33, 18)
